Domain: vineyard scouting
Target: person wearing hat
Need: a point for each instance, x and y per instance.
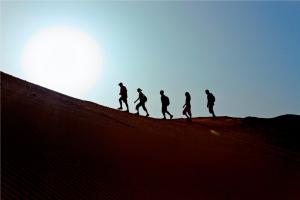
(165, 102)
(142, 102)
(123, 93)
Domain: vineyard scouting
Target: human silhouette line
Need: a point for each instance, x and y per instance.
(165, 102)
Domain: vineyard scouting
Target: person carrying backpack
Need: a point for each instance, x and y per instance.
(210, 102)
(165, 102)
(123, 94)
(142, 102)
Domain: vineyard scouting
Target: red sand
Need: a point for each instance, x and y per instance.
(57, 147)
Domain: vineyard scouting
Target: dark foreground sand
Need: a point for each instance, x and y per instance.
(57, 147)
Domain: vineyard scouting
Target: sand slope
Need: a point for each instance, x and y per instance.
(57, 147)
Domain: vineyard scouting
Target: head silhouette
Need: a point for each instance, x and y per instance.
(139, 89)
(161, 92)
(121, 84)
(207, 91)
(187, 94)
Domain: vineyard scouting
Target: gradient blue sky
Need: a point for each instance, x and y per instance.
(246, 53)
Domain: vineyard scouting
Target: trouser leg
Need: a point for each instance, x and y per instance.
(144, 108)
(137, 107)
(164, 114)
(120, 101)
(168, 113)
(211, 110)
(125, 101)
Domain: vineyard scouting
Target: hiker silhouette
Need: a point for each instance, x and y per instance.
(142, 98)
(210, 102)
(123, 93)
(187, 107)
(165, 102)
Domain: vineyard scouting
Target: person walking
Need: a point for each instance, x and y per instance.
(142, 98)
(123, 93)
(187, 107)
(165, 102)
(210, 102)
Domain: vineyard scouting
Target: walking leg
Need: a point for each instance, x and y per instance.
(120, 101)
(145, 109)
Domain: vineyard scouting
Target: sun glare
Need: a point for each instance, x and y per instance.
(63, 59)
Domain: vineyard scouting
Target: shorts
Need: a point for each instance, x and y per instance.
(164, 109)
(123, 98)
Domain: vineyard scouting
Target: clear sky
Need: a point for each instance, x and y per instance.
(246, 53)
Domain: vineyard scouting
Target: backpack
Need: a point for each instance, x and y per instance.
(144, 99)
(213, 99)
(124, 91)
(167, 100)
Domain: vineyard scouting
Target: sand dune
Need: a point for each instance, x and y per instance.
(57, 147)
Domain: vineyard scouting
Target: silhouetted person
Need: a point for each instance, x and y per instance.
(142, 102)
(210, 102)
(123, 93)
(165, 102)
(187, 107)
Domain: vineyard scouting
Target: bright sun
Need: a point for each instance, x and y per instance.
(63, 59)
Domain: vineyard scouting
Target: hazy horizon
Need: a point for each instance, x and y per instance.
(246, 53)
